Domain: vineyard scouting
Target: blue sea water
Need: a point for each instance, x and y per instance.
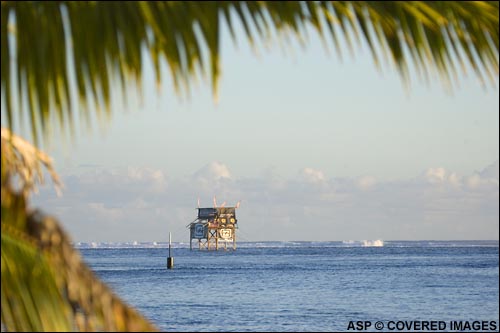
(303, 286)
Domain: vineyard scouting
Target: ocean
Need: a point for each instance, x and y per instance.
(307, 286)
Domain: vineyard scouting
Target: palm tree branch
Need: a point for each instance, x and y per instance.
(85, 45)
(31, 299)
(36, 298)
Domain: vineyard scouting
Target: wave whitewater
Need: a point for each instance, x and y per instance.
(286, 244)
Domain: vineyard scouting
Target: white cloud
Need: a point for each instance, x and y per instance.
(454, 179)
(366, 182)
(312, 176)
(491, 171)
(137, 204)
(487, 178)
(210, 180)
(213, 171)
(155, 178)
(101, 212)
(436, 175)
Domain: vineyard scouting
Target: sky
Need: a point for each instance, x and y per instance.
(315, 147)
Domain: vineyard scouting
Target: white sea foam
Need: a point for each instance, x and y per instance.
(284, 244)
(374, 243)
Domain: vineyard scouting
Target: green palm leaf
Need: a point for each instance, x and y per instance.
(47, 287)
(49, 48)
(45, 284)
(31, 299)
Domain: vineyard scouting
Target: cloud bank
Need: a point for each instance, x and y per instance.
(144, 204)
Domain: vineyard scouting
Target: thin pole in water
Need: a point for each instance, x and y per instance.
(170, 260)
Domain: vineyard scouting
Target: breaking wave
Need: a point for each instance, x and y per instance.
(374, 243)
(285, 244)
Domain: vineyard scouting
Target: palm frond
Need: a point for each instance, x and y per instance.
(31, 299)
(23, 164)
(52, 48)
(45, 284)
(47, 287)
